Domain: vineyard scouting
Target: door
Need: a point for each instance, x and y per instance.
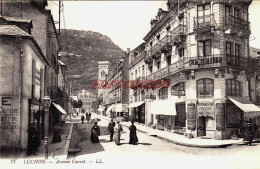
(201, 128)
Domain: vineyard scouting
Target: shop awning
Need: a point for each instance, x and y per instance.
(164, 107)
(61, 110)
(244, 104)
(109, 109)
(119, 107)
(136, 104)
(101, 109)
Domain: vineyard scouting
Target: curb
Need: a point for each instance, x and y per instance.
(178, 142)
(67, 144)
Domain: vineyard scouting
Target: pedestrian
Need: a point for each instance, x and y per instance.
(118, 130)
(87, 117)
(32, 142)
(82, 118)
(56, 134)
(95, 132)
(110, 128)
(133, 137)
(248, 134)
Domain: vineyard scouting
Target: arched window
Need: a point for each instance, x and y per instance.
(179, 89)
(205, 87)
(233, 87)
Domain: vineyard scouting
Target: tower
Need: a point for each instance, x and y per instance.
(103, 67)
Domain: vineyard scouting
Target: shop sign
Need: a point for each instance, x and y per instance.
(220, 116)
(191, 112)
(178, 92)
(205, 109)
(206, 60)
(8, 114)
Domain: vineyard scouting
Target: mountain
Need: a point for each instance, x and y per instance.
(81, 51)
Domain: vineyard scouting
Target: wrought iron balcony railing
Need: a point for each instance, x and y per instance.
(165, 43)
(232, 21)
(180, 30)
(204, 21)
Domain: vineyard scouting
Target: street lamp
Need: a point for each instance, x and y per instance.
(46, 102)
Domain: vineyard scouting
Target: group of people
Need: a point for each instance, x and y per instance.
(88, 117)
(115, 131)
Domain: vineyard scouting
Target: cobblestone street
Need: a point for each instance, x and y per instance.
(155, 152)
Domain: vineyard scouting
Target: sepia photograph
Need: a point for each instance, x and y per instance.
(130, 84)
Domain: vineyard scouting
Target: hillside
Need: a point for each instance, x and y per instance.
(81, 50)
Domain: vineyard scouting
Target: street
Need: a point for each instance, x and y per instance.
(154, 152)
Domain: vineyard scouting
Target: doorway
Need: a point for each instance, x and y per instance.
(201, 128)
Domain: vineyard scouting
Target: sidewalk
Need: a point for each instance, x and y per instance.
(57, 150)
(181, 139)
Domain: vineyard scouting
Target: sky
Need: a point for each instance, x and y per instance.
(126, 22)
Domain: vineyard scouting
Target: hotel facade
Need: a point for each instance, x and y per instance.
(202, 47)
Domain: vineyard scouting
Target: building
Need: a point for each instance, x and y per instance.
(33, 18)
(202, 48)
(137, 72)
(22, 75)
(115, 97)
(87, 99)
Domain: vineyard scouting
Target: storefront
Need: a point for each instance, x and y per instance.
(164, 111)
(239, 111)
(138, 111)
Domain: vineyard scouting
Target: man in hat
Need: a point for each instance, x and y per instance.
(248, 134)
(110, 128)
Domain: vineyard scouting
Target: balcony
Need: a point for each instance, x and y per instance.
(152, 53)
(237, 61)
(139, 57)
(236, 25)
(165, 43)
(204, 23)
(179, 34)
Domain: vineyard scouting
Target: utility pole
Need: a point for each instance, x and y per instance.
(59, 15)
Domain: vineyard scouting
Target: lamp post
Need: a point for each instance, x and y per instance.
(46, 102)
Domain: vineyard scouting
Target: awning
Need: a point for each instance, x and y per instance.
(101, 109)
(109, 109)
(244, 104)
(59, 108)
(164, 107)
(136, 104)
(119, 107)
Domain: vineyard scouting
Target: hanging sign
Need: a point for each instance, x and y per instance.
(191, 112)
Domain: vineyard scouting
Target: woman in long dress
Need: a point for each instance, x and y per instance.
(118, 130)
(133, 136)
(95, 132)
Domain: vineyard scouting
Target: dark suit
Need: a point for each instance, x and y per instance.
(111, 126)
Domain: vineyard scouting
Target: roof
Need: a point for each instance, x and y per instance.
(254, 52)
(158, 26)
(12, 30)
(18, 19)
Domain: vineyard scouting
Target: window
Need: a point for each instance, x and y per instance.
(205, 88)
(139, 71)
(227, 11)
(228, 48)
(158, 64)
(204, 48)
(163, 93)
(233, 87)
(179, 89)
(143, 71)
(132, 76)
(181, 52)
(168, 60)
(151, 69)
(135, 73)
(236, 17)
(237, 49)
(203, 14)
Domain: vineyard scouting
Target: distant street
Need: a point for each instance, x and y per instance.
(155, 152)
